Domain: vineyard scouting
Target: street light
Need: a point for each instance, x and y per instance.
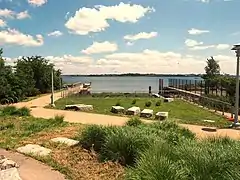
(52, 96)
(236, 48)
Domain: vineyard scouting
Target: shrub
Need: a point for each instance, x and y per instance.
(158, 103)
(59, 119)
(148, 103)
(9, 110)
(210, 159)
(134, 121)
(24, 111)
(95, 136)
(125, 144)
(134, 101)
(118, 103)
(158, 162)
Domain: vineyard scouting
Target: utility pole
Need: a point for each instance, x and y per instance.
(236, 48)
(52, 96)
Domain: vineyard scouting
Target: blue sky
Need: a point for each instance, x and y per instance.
(159, 36)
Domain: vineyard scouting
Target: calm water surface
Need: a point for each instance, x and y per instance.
(123, 83)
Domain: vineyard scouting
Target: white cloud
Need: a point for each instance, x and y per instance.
(37, 2)
(101, 47)
(195, 45)
(192, 43)
(7, 13)
(23, 15)
(194, 31)
(12, 36)
(157, 62)
(129, 43)
(88, 20)
(55, 33)
(141, 35)
(2, 23)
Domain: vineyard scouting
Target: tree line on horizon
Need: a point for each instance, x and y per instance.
(28, 77)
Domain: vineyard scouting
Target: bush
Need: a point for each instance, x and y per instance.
(158, 103)
(210, 159)
(59, 119)
(134, 101)
(158, 162)
(9, 110)
(125, 144)
(118, 103)
(24, 111)
(134, 121)
(95, 136)
(148, 103)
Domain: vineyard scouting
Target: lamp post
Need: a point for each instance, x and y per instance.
(236, 48)
(52, 96)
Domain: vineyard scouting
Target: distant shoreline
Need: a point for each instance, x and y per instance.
(135, 74)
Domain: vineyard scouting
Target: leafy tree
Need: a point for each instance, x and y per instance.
(212, 75)
(30, 76)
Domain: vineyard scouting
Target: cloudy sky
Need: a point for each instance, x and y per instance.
(118, 36)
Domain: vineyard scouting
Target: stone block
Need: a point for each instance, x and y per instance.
(117, 109)
(168, 99)
(67, 141)
(34, 149)
(161, 115)
(79, 107)
(134, 111)
(10, 174)
(147, 113)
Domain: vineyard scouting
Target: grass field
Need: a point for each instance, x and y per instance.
(179, 110)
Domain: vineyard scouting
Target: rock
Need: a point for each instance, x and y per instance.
(10, 174)
(117, 109)
(210, 121)
(35, 150)
(79, 107)
(168, 99)
(156, 95)
(147, 113)
(161, 115)
(67, 141)
(133, 111)
(7, 164)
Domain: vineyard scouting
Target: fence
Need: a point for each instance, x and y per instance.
(197, 91)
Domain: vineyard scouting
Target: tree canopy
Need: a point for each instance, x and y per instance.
(29, 76)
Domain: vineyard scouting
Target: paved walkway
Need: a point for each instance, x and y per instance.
(89, 118)
(31, 169)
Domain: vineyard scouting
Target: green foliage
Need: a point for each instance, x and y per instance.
(148, 103)
(9, 110)
(24, 111)
(29, 77)
(118, 103)
(12, 110)
(158, 103)
(125, 145)
(134, 121)
(134, 101)
(94, 136)
(59, 118)
(209, 159)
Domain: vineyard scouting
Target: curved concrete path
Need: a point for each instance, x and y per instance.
(89, 118)
(31, 169)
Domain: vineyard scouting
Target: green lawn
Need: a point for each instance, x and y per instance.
(178, 110)
(14, 129)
